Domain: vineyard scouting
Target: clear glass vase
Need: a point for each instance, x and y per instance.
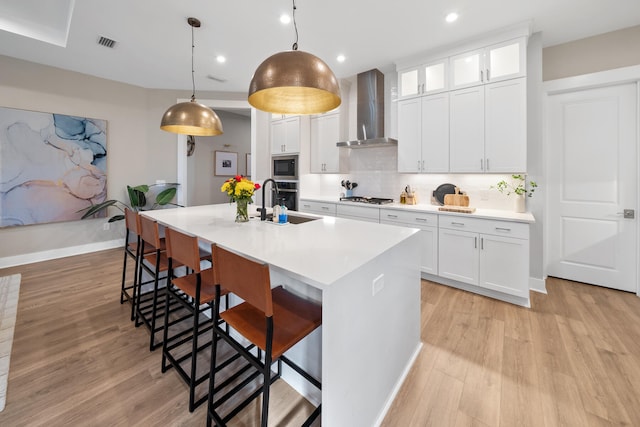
(242, 213)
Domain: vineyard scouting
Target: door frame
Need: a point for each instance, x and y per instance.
(588, 81)
(182, 170)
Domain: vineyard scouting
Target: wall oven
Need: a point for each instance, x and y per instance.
(285, 168)
(287, 191)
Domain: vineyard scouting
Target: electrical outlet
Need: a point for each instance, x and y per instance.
(484, 195)
(378, 284)
(106, 226)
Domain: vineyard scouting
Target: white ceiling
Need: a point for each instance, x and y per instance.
(154, 39)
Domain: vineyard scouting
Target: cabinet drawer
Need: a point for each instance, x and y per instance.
(517, 230)
(353, 212)
(486, 226)
(320, 208)
(409, 217)
(462, 223)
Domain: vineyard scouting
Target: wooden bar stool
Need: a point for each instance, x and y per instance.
(132, 249)
(274, 320)
(155, 262)
(196, 292)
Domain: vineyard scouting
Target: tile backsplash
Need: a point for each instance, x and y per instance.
(376, 172)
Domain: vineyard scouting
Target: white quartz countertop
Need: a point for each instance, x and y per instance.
(318, 252)
(424, 207)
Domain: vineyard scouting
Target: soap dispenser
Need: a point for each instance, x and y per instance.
(276, 213)
(282, 217)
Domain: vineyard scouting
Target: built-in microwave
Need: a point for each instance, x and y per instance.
(285, 167)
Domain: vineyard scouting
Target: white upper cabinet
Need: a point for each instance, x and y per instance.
(425, 79)
(466, 112)
(423, 134)
(285, 135)
(488, 128)
(506, 60)
(467, 69)
(325, 132)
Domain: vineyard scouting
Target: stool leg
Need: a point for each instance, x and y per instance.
(194, 346)
(165, 332)
(152, 338)
(134, 292)
(214, 353)
(124, 266)
(140, 270)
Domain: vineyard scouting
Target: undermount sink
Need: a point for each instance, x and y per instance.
(292, 219)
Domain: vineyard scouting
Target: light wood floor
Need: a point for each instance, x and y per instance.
(573, 359)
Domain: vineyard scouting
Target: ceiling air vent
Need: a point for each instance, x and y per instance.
(107, 42)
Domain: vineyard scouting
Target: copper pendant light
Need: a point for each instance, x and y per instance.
(294, 82)
(191, 118)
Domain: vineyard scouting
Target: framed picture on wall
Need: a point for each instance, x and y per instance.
(225, 163)
(248, 168)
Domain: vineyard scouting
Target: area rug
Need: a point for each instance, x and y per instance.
(9, 293)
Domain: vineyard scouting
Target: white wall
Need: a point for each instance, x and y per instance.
(138, 151)
(204, 186)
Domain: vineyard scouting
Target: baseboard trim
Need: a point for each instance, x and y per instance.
(15, 260)
(537, 285)
(398, 385)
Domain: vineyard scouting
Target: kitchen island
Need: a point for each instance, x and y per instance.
(367, 278)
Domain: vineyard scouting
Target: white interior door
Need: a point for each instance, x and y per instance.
(592, 170)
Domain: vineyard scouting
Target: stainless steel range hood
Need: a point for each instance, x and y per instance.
(370, 124)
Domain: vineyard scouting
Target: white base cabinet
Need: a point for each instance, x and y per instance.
(318, 208)
(485, 256)
(428, 225)
(459, 258)
(486, 253)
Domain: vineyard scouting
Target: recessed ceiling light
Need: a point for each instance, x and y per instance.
(221, 59)
(341, 58)
(285, 19)
(451, 17)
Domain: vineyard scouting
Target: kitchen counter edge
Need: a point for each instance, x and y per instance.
(499, 214)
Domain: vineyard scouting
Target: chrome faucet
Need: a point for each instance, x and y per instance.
(263, 212)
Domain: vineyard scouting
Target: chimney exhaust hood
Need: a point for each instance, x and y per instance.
(370, 124)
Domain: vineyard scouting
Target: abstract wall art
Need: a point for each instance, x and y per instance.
(51, 166)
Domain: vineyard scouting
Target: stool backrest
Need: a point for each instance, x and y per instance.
(248, 279)
(131, 220)
(149, 231)
(183, 248)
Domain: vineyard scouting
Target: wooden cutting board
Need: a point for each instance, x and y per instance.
(461, 209)
(456, 200)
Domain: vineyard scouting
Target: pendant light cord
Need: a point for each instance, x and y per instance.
(193, 79)
(295, 26)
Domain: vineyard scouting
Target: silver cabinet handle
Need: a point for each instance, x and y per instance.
(481, 76)
(392, 216)
(459, 224)
(488, 78)
(325, 208)
(422, 87)
(423, 165)
(418, 88)
(506, 230)
(418, 165)
(482, 243)
(487, 163)
(421, 219)
(481, 165)
(475, 243)
(306, 206)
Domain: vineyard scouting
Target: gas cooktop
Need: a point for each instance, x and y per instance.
(370, 200)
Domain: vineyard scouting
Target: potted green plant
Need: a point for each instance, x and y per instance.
(137, 200)
(518, 186)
